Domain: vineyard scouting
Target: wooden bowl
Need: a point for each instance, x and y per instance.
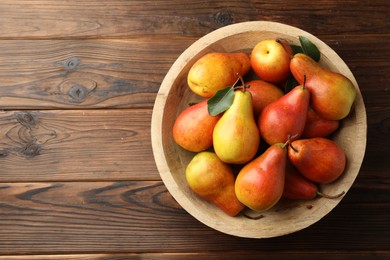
(174, 96)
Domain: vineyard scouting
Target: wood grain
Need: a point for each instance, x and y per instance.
(140, 217)
(378, 143)
(78, 80)
(82, 74)
(43, 19)
(76, 145)
(65, 145)
(253, 254)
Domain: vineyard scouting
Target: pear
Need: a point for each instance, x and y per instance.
(193, 128)
(297, 187)
(319, 159)
(332, 94)
(285, 116)
(317, 126)
(270, 60)
(263, 93)
(213, 180)
(260, 183)
(215, 71)
(236, 137)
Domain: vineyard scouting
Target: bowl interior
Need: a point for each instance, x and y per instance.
(174, 96)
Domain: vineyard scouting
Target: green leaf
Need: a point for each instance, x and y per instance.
(221, 101)
(296, 48)
(310, 48)
(290, 84)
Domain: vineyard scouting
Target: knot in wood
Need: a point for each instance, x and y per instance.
(224, 18)
(72, 63)
(25, 118)
(31, 149)
(78, 93)
(3, 153)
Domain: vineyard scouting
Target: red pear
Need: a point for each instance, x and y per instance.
(270, 61)
(297, 187)
(193, 128)
(319, 159)
(286, 46)
(317, 126)
(259, 184)
(331, 94)
(263, 93)
(285, 116)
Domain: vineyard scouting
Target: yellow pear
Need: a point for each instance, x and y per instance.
(215, 71)
(213, 180)
(332, 95)
(236, 137)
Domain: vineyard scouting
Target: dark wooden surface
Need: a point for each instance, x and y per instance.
(78, 81)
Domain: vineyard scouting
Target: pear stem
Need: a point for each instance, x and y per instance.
(252, 217)
(292, 147)
(292, 136)
(287, 143)
(242, 85)
(330, 196)
(289, 137)
(304, 81)
(238, 80)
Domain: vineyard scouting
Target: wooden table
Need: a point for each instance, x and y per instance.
(78, 80)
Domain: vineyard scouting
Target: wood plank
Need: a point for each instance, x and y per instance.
(375, 161)
(330, 17)
(84, 73)
(119, 18)
(76, 145)
(53, 145)
(142, 217)
(369, 64)
(253, 254)
(77, 74)
(116, 18)
(82, 184)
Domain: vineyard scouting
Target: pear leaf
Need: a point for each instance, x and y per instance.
(290, 84)
(309, 48)
(296, 48)
(221, 101)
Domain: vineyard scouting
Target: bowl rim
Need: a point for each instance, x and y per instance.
(162, 95)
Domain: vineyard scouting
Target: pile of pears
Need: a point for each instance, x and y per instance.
(255, 142)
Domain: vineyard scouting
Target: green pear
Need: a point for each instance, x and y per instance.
(236, 137)
(285, 117)
(213, 180)
(215, 71)
(332, 94)
(260, 183)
